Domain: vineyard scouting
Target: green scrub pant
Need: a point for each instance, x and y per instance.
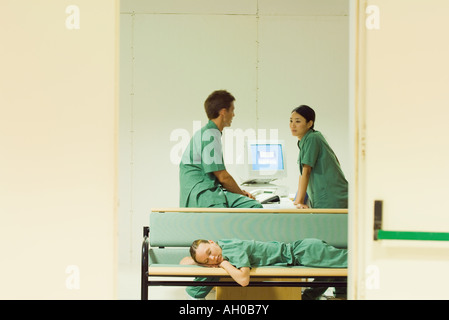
(317, 253)
(235, 200)
(309, 253)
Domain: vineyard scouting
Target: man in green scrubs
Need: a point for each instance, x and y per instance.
(238, 256)
(203, 178)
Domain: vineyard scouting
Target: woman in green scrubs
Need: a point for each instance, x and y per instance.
(321, 176)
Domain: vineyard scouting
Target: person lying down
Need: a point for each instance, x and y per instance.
(237, 257)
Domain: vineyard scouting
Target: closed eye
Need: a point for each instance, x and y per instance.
(208, 254)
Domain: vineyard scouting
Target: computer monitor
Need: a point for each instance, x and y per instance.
(265, 161)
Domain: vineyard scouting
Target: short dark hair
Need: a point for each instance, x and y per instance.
(307, 112)
(216, 101)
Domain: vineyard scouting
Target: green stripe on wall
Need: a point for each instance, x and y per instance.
(406, 235)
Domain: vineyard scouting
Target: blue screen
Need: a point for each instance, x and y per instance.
(267, 157)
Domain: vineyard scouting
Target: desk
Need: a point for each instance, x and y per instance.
(286, 203)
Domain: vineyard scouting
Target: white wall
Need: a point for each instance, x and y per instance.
(271, 55)
(58, 146)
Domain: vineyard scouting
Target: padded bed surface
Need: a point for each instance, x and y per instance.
(269, 271)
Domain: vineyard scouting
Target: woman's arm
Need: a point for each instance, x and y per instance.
(241, 276)
(302, 187)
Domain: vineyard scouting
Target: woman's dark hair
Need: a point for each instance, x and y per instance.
(216, 101)
(307, 112)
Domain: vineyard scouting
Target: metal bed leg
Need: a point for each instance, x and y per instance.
(144, 270)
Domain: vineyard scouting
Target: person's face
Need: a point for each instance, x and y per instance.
(209, 253)
(298, 125)
(228, 114)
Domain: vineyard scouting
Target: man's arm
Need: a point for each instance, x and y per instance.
(228, 182)
(241, 276)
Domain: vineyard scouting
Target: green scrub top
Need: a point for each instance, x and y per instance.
(251, 253)
(328, 187)
(307, 252)
(198, 185)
